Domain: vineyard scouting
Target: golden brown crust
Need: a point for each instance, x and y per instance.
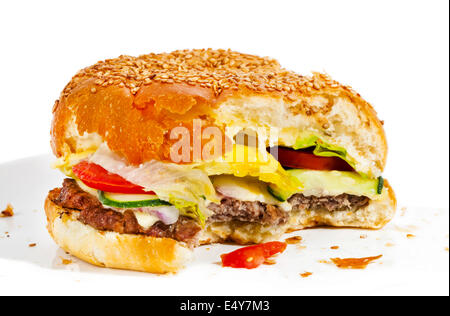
(135, 126)
(133, 102)
(113, 250)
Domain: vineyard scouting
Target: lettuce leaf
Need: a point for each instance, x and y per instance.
(244, 161)
(181, 185)
(190, 209)
(324, 149)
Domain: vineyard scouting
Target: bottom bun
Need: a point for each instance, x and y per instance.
(162, 255)
(114, 250)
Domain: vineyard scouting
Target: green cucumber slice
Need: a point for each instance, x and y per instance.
(380, 184)
(334, 182)
(276, 195)
(130, 200)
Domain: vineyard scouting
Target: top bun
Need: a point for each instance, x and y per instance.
(132, 103)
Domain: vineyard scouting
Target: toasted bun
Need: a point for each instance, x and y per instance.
(113, 250)
(162, 255)
(132, 103)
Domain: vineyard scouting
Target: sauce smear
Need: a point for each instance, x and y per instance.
(354, 263)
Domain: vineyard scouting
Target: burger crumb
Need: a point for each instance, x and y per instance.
(354, 263)
(8, 212)
(293, 240)
(363, 236)
(410, 236)
(306, 274)
(301, 247)
(403, 211)
(334, 247)
(270, 262)
(32, 245)
(66, 261)
(389, 244)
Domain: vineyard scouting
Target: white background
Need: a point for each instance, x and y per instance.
(395, 53)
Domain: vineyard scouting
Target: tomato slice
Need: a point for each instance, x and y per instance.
(298, 159)
(252, 256)
(96, 177)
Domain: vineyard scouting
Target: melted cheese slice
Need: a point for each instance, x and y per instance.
(246, 189)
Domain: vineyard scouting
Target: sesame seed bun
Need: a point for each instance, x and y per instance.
(132, 103)
(163, 255)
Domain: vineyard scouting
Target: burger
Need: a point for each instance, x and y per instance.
(166, 152)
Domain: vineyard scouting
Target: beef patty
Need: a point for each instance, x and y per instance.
(342, 202)
(231, 209)
(92, 212)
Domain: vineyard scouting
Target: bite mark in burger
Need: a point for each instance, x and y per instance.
(127, 204)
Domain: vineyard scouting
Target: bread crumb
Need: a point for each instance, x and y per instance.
(363, 236)
(403, 211)
(306, 274)
(301, 247)
(334, 247)
(389, 244)
(293, 240)
(269, 262)
(8, 212)
(410, 236)
(32, 245)
(354, 263)
(66, 261)
(446, 249)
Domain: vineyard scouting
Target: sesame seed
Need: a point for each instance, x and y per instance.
(214, 69)
(217, 70)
